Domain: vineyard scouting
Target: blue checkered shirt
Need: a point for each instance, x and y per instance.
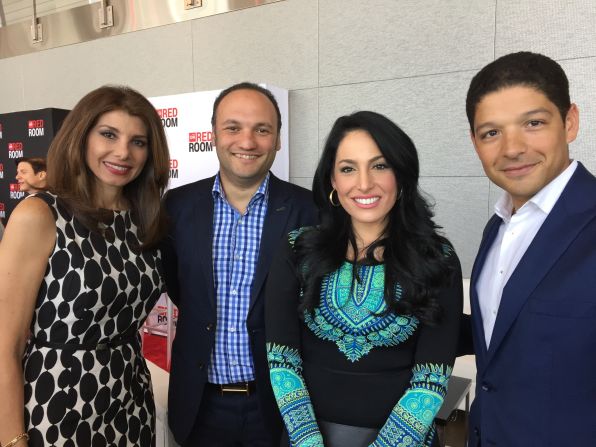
(236, 242)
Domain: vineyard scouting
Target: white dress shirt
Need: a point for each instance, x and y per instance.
(515, 235)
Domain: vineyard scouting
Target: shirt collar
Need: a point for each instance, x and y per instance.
(544, 199)
(262, 191)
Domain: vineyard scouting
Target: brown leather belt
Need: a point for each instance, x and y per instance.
(234, 388)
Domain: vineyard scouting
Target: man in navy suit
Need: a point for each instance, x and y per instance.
(533, 284)
(223, 234)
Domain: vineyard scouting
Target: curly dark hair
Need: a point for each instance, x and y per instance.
(413, 251)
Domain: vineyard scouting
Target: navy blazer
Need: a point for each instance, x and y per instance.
(188, 267)
(536, 383)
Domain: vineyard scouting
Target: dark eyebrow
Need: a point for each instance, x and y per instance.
(115, 130)
(238, 123)
(268, 125)
(523, 116)
(112, 128)
(536, 111)
(230, 121)
(372, 160)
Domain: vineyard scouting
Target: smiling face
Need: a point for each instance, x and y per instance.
(116, 152)
(366, 185)
(246, 137)
(28, 180)
(522, 141)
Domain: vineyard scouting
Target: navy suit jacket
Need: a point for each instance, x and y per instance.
(188, 267)
(536, 383)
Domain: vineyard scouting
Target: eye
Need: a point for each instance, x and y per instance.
(381, 166)
(263, 131)
(139, 143)
(231, 128)
(535, 123)
(346, 169)
(108, 134)
(489, 134)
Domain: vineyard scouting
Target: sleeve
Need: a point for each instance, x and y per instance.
(411, 420)
(283, 350)
(168, 254)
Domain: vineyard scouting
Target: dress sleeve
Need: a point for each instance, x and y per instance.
(283, 350)
(411, 420)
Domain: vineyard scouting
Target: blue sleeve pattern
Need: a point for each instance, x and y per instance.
(285, 371)
(411, 420)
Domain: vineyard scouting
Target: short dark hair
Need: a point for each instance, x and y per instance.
(414, 251)
(247, 86)
(520, 69)
(37, 163)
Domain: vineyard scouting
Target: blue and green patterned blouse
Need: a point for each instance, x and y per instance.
(351, 363)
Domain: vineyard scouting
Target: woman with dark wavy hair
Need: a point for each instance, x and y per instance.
(363, 310)
(80, 272)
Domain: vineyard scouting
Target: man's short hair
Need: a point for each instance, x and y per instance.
(520, 69)
(247, 86)
(37, 163)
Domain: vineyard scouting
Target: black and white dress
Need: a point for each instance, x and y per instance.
(86, 382)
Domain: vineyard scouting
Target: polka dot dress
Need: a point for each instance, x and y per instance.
(96, 291)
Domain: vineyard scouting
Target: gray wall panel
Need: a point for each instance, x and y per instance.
(408, 59)
(431, 110)
(383, 39)
(460, 208)
(494, 194)
(559, 29)
(12, 88)
(305, 182)
(274, 43)
(155, 62)
(582, 79)
(304, 128)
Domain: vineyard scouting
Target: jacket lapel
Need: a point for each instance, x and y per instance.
(566, 219)
(278, 210)
(201, 230)
(490, 233)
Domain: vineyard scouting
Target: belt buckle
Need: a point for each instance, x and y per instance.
(240, 388)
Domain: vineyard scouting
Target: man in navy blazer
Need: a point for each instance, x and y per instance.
(223, 234)
(533, 284)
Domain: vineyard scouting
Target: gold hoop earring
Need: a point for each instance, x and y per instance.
(331, 198)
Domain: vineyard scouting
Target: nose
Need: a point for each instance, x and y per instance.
(513, 144)
(364, 180)
(122, 149)
(247, 140)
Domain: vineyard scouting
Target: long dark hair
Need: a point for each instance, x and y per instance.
(413, 251)
(71, 179)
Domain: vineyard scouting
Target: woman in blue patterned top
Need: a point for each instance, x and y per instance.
(363, 310)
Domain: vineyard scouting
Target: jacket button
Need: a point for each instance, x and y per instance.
(209, 327)
(486, 386)
(476, 431)
(201, 366)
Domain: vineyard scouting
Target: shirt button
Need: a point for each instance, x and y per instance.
(234, 292)
(234, 363)
(232, 329)
(494, 312)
